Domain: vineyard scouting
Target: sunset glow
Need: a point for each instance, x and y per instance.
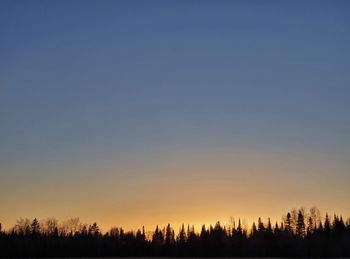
(136, 115)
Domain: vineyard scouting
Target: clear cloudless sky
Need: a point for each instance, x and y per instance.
(144, 112)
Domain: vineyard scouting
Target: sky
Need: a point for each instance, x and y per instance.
(134, 113)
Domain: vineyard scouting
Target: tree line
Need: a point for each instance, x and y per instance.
(301, 233)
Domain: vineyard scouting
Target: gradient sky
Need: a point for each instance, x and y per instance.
(134, 112)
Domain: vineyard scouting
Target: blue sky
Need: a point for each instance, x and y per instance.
(93, 83)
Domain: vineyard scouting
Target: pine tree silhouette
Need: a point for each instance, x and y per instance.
(31, 238)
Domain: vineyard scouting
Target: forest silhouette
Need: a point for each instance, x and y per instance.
(301, 233)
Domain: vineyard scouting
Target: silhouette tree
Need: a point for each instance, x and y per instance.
(315, 215)
(50, 226)
(182, 235)
(339, 227)
(94, 230)
(327, 225)
(310, 226)
(269, 227)
(276, 229)
(288, 224)
(157, 236)
(261, 227)
(254, 229)
(71, 239)
(300, 226)
(35, 227)
(169, 236)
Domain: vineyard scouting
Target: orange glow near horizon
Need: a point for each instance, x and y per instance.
(198, 189)
(134, 114)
